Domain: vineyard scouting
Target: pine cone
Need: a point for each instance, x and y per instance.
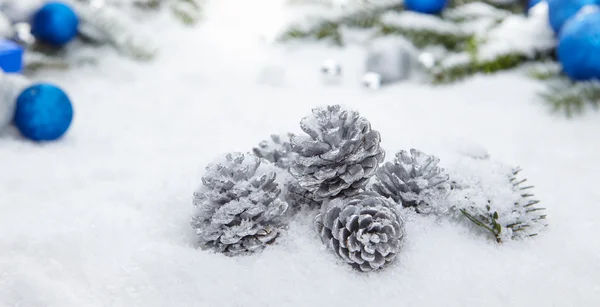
(413, 180)
(277, 150)
(338, 156)
(365, 230)
(238, 211)
(297, 196)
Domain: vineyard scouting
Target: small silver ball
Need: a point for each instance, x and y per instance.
(331, 68)
(372, 80)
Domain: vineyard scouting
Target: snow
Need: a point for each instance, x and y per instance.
(101, 218)
(524, 35)
(416, 21)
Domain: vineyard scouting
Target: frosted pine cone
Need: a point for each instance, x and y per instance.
(365, 230)
(238, 210)
(413, 180)
(338, 156)
(297, 196)
(276, 150)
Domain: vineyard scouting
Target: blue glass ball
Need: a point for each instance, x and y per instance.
(579, 47)
(426, 6)
(43, 112)
(55, 23)
(559, 11)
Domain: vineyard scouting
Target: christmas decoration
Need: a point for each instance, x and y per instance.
(276, 150)
(43, 112)
(339, 155)
(470, 37)
(426, 6)
(372, 80)
(331, 71)
(413, 180)
(562, 10)
(578, 47)
(55, 23)
(392, 60)
(238, 209)
(488, 195)
(11, 56)
(365, 230)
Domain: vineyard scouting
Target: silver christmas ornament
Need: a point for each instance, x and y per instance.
(372, 81)
(331, 70)
(393, 60)
(366, 230)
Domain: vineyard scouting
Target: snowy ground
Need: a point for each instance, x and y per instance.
(101, 218)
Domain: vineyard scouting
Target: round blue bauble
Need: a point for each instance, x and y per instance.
(579, 47)
(425, 6)
(43, 112)
(55, 23)
(559, 11)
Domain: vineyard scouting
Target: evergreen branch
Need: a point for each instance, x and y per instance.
(424, 38)
(324, 29)
(494, 229)
(572, 98)
(188, 11)
(443, 75)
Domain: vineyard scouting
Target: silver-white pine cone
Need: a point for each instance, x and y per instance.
(238, 210)
(413, 179)
(365, 230)
(277, 150)
(339, 154)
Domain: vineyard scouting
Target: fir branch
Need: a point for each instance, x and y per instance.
(453, 73)
(572, 98)
(528, 220)
(188, 11)
(424, 38)
(323, 29)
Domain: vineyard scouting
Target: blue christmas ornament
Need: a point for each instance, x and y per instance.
(559, 11)
(55, 24)
(579, 47)
(43, 112)
(426, 6)
(11, 56)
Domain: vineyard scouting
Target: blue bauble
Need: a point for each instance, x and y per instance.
(579, 47)
(43, 112)
(559, 11)
(425, 6)
(55, 24)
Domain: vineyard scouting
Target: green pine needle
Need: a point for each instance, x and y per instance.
(572, 98)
